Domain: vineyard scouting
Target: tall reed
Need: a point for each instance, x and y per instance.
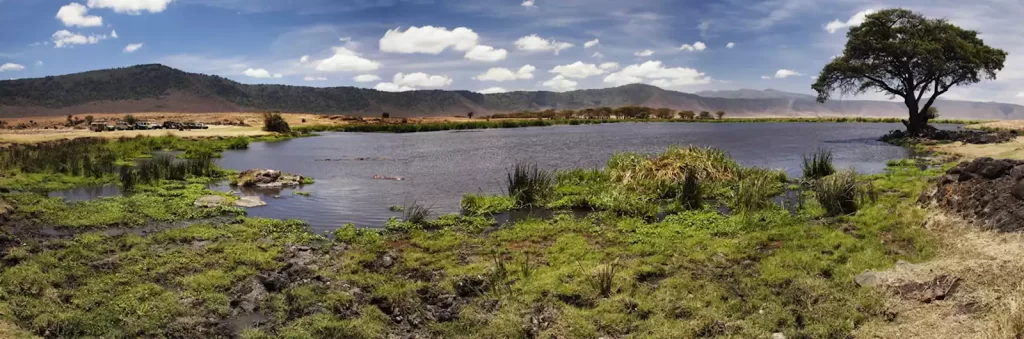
(527, 184)
(818, 165)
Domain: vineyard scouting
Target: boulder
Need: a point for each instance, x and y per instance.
(250, 201)
(211, 201)
(868, 279)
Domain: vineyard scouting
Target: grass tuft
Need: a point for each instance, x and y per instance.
(528, 185)
(818, 165)
(841, 193)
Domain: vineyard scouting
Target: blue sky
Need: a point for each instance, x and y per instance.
(479, 45)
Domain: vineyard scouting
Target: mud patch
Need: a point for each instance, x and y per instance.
(929, 291)
(986, 191)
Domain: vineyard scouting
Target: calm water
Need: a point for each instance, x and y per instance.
(439, 167)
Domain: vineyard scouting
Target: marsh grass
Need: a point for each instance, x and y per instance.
(706, 164)
(527, 184)
(755, 190)
(842, 193)
(818, 165)
(690, 195)
(603, 279)
(416, 213)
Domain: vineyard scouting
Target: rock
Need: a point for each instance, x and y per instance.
(987, 191)
(1017, 191)
(211, 201)
(1017, 173)
(267, 178)
(778, 335)
(868, 279)
(250, 201)
(471, 286)
(249, 295)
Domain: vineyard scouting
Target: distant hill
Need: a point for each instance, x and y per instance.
(158, 88)
(754, 94)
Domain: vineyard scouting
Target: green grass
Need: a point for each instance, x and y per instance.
(818, 165)
(614, 273)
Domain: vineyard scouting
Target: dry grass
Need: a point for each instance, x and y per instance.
(1010, 150)
(987, 304)
(32, 136)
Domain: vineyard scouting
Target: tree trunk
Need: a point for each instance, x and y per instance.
(917, 122)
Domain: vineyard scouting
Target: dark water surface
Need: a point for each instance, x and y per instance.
(439, 167)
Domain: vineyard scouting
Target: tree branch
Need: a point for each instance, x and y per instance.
(886, 87)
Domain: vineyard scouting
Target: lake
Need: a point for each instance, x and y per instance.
(439, 167)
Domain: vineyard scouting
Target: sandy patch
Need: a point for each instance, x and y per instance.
(1010, 150)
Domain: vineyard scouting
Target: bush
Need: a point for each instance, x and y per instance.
(818, 165)
(274, 122)
(130, 119)
(528, 184)
(840, 193)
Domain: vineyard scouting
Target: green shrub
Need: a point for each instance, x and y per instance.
(818, 165)
(841, 193)
(528, 185)
(274, 122)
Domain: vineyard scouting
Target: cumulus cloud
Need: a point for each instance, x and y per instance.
(598, 55)
(486, 53)
(345, 60)
(591, 43)
(420, 79)
(76, 15)
(366, 78)
(560, 84)
(730, 45)
(391, 87)
(304, 59)
(609, 66)
(529, 3)
(64, 38)
(133, 7)
(578, 70)
(855, 20)
(260, 73)
(535, 43)
(644, 53)
(113, 34)
(658, 74)
(428, 40)
(504, 74)
(492, 90)
(313, 78)
(9, 67)
(132, 48)
(785, 73)
(696, 47)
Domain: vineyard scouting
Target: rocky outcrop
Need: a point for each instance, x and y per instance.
(987, 191)
(268, 178)
(965, 136)
(250, 202)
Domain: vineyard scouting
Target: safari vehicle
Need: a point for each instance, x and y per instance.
(171, 125)
(98, 126)
(142, 125)
(121, 126)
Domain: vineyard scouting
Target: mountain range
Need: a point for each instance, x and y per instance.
(158, 88)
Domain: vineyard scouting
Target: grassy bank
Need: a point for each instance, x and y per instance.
(656, 258)
(518, 123)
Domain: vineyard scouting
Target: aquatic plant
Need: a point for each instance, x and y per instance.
(473, 204)
(841, 193)
(690, 195)
(527, 184)
(818, 165)
(755, 189)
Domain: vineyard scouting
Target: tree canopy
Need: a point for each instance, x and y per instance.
(906, 55)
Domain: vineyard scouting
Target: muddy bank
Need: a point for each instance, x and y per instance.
(987, 191)
(933, 135)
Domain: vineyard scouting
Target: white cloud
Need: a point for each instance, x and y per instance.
(428, 40)
(598, 55)
(76, 15)
(560, 84)
(492, 90)
(697, 46)
(313, 78)
(855, 20)
(113, 34)
(9, 67)
(659, 74)
(390, 87)
(577, 70)
(420, 79)
(535, 43)
(366, 78)
(785, 73)
(765, 77)
(505, 74)
(486, 53)
(133, 7)
(730, 45)
(132, 48)
(304, 59)
(260, 73)
(345, 60)
(644, 53)
(64, 38)
(39, 63)
(591, 43)
(529, 3)
(609, 66)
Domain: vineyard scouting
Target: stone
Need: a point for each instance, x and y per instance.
(1017, 190)
(778, 335)
(211, 201)
(267, 178)
(250, 201)
(868, 279)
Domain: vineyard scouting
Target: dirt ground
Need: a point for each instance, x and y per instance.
(1010, 150)
(221, 124)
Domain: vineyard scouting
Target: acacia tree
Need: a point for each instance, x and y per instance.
(904, 54)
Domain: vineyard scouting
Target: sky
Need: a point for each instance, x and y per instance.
(480, 45)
